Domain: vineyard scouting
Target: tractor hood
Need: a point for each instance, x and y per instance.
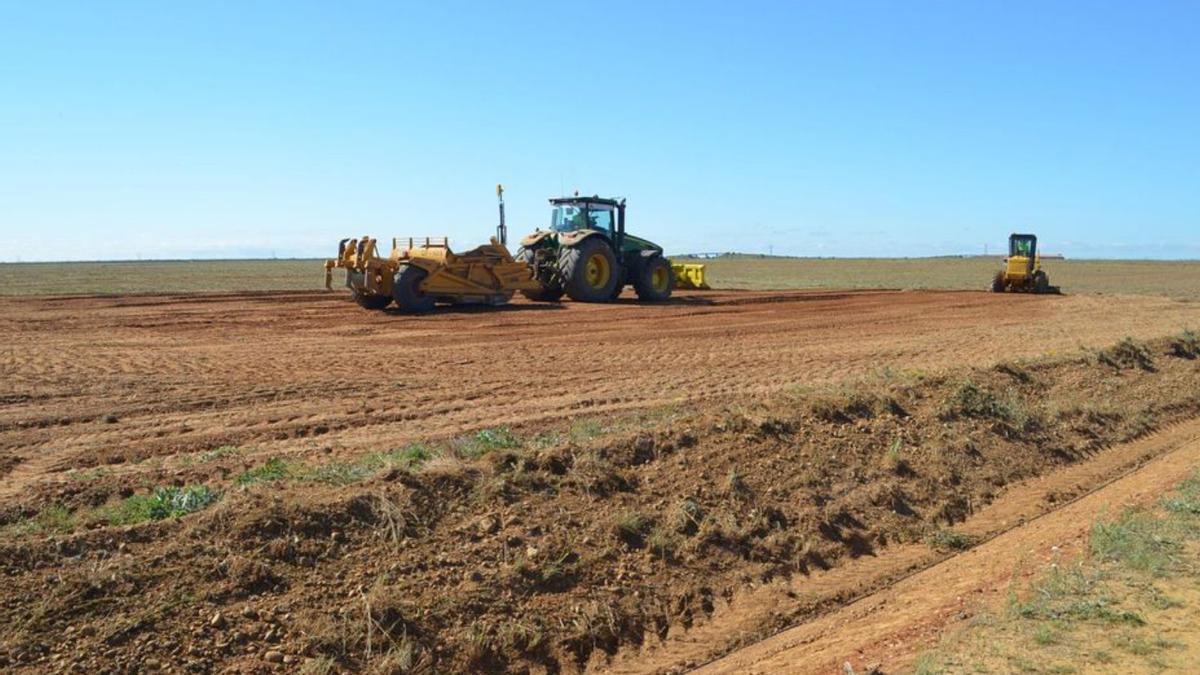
(535, 238)
(550, 237)
(560, 238)
(633, 243)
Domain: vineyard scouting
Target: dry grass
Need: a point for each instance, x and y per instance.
(184, 276)
(1179, 279)
(1127, 606)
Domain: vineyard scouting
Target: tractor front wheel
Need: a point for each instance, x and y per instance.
(655, 280)
(406, 289)
(590, 270)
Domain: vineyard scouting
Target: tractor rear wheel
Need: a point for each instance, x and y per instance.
(551, 290)
(998, 283)
(655, 280)
(589, 270)
(406, 289)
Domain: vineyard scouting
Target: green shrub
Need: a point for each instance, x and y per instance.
(411, 455)
(274, 469)
(972, 400)
(1137, 539)
(345, 473)
(688, 516)
(164, 502)
(486, 440)
(220, 453)
(663, 543)
(1186, 500)
(949, 540)
(587, 429)
(894, 457)
(342, 473)
(632, 528)
(1072, 594)
(1127, 354)
(52, 519)
(56, 519)
(1187, 345)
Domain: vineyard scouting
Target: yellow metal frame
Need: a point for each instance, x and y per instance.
(1017, 270)
(689, 275)
(1017, 275)
(484, 274)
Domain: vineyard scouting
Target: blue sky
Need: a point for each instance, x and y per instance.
(192, 129)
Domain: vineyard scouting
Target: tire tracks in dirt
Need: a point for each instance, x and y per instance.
(184, 372)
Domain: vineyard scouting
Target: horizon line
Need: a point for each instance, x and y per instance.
(697, 256)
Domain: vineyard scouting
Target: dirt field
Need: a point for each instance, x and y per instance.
(536, 488)
(194, 373)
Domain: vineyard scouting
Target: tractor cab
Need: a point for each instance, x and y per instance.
(570, 214)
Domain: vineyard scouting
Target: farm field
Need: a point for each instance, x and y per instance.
(275, 481)
(1177, 279)
(601, 431)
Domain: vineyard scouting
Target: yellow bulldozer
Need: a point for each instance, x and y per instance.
(1022, 271)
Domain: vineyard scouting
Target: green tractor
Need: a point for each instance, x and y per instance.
(587, 254)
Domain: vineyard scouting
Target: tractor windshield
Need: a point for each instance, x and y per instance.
(567, 217)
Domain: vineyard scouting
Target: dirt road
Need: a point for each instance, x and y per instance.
(116, 380)
(886, 628)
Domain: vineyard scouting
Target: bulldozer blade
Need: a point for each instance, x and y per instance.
(689, 275)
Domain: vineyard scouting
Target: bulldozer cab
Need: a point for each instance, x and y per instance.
(1022, 245)
(1022, 254)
